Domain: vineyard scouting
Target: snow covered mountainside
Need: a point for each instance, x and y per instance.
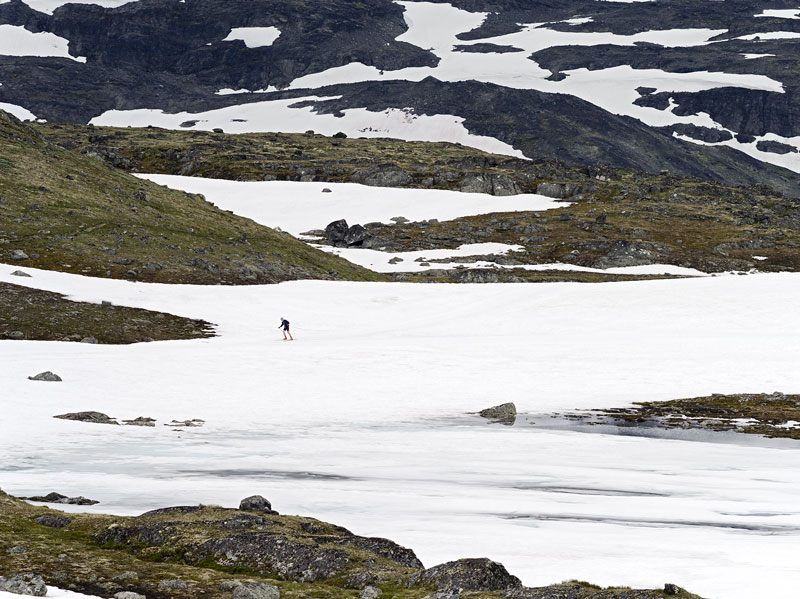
(692, 87)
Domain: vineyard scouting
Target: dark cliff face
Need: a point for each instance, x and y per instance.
(170, 55)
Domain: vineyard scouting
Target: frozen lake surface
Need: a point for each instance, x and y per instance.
(360, 420)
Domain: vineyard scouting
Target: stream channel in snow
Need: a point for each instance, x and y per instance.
(361, 421)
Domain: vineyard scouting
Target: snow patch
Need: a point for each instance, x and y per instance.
(286, 116)
(781, 13)
(21, 113)
(254, 37)
(48, 6)
(297, 207)
(771, 35)
(15, 40)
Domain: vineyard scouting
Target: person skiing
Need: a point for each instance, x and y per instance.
(285, 326)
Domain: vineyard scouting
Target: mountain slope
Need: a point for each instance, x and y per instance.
(703, 90)
(63, 211)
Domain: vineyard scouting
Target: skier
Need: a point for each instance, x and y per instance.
(285, 326)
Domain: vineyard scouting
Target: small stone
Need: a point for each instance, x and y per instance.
(92, 340)
(18, 255)
(370, 592)
(140, 421)
(128, 595)
(255, 590)
(24, 584)
(106, 303)
(395, 260)
(228, 585)
(671, 589)
(19, 273)
(46, 376)
(19, 549)
(171, 584)
(125, 576)
(14, 335)
(327, 190)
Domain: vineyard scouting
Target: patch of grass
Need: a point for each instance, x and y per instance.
(46, 316)
(74, 213)
(720, 412)
(680, 220)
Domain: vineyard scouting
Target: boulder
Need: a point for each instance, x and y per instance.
(632, 253)
(356, 235)
(19, 273)
(171, 584)
(336, 231)
(477, 275)
(382, 176)
(14, 335)
(505, 411)
(370, 592)
(24, 584)
(17, 550)
(476, 574)
(255, 590)
(128, 595)
(92, 340)
(52, 521)
(125, 576)
(558, 191)
(46, 376)
(94, 417)
(18, 255)
(256, 503)
(140, 421)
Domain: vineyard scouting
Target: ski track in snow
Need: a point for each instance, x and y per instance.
(314, 426)
(434, 27)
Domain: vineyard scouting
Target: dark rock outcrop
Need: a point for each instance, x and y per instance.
(475, 574)
(24, 584)
(63, 499)
(94, 417)
(45, 376)
(506, 411)
(336, 231)
(52, 521)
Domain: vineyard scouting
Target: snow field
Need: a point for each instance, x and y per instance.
(360, 421)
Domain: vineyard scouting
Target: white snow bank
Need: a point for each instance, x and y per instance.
(21, 113)
(351, 422)
(781, 13)
(298, 207)
(771, 35)
(412, 261)
(254, 37)
(52, 593)
(15, 40)
(286, 117)
(48, 6)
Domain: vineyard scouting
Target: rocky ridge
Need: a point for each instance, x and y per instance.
(211, 552)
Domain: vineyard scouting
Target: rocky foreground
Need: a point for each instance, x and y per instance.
(247, 553)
